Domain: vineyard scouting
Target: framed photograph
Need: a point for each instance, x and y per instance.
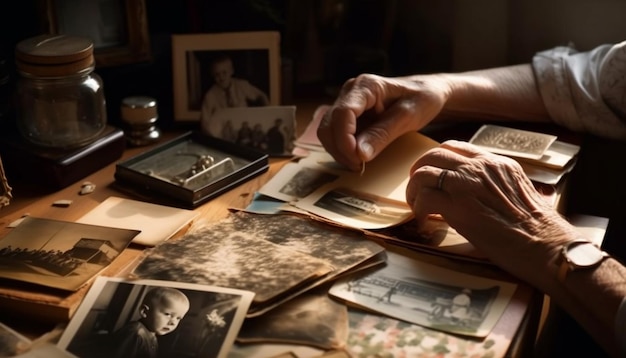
(119, 29)
(191, 169)
(170, 319)
(223, 70)
(269, 129)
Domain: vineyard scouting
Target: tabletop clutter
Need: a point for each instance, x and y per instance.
(322, 262)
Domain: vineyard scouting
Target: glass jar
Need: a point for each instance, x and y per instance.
(60, 101)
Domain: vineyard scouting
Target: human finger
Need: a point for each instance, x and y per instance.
(337, 130)
(497, 181)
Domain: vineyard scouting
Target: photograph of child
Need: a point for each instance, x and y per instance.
(148, 318)
(229, 90)
(160, 313)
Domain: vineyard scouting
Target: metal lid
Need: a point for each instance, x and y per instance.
(54, 55)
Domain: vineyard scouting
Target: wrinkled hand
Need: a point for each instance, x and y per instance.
(371, 111)
(489, 200)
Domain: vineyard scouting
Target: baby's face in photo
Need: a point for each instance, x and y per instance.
(163, 317)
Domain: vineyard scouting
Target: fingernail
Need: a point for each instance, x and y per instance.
(366, 150)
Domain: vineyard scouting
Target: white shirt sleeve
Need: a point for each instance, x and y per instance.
(620, 328)
(585, 91)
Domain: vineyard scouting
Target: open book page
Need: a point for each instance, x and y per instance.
(369, 200)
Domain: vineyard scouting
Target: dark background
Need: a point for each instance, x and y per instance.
(325, 42)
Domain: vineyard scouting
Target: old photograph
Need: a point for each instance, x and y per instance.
(429, 295)
(343, 248)
(312, 319)
(60, 254)
(169, 319)
(512, 141)
(269, 129)
(220, 256)
(224, 70)
(356, 209)
(295, 181)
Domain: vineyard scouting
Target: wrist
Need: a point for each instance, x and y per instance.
(579, 255)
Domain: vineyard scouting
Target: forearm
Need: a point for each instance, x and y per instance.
(506, 93)
(592, 298)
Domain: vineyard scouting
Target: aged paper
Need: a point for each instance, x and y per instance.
(157, 223)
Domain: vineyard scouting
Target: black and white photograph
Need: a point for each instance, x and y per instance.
(428, 295)
(294, 182)
(513, 142)
(219, 256)
(269, 129)
(273, 255)
(60, 254)
(343, 248)
(224, 70)
(312, 319)
(355, 209)
(148, 318)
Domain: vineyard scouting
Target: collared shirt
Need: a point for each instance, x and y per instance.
(241, 93)
(586, 92)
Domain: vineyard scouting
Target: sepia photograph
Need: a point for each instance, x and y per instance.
(295, 181)
(343, 248)
(224, 70)
(60, 254)
(512, 141)
(313, 319)
(276, 256)
(428, 295)
(269, 129)
(355, 209)
(167, 319)
(221, 257)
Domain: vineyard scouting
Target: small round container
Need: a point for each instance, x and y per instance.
(60, 101)
(140, 115)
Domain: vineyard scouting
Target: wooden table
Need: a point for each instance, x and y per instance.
(30, 200)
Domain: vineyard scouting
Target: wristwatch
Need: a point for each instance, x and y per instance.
(579, 254)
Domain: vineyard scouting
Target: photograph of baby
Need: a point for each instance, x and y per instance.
(149, 318)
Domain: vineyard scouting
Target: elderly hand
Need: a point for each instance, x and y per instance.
(371, 111)
(489, 200)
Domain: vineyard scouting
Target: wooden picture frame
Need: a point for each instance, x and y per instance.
(255, 57)
(118, 28)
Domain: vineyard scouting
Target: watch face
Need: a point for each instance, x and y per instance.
(584, 254)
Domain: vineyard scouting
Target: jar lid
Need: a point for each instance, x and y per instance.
(54, 55)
